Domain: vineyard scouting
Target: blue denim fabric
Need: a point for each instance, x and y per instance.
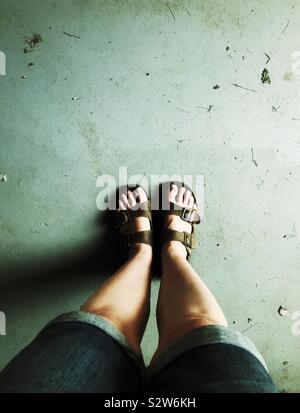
(213, 368)
(72, 357)
(80, 352)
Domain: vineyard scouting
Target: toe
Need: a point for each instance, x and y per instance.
(121, 206)
(191, 202)
(179, 197)
(124, 200)
(186, 197)
(173, 193)
(131, 199)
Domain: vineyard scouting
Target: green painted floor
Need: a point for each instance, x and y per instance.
(143, 74)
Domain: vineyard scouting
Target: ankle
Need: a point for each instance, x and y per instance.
(143, 250)
(173, 250)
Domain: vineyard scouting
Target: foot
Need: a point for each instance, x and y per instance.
(184, 198)
(134, 200)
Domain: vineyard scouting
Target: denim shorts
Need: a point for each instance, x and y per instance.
(81, 352)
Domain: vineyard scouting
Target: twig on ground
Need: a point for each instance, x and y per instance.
(252, 157)
(243, 87)
(71, 35)
(286, 26)
(171, 11)
(253, 325)
(268, 57)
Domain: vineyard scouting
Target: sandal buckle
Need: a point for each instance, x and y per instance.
(188, 239)
(188, 215)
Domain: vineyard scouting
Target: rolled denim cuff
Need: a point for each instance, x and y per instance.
(103, 325)
(203, 336)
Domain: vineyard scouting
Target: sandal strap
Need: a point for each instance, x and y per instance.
(188, 240)
(186, 214)
(125, 216)
(143, 237)
(128, 234)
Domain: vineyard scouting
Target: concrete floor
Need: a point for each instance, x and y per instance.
(52, 147)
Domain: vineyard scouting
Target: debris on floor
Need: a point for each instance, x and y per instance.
(252, 157)
(288, 76)
(207, 109)
(216, 87)
(292, 234)
(283, 311)
(171, 11)
(3, 178)
(179, 142)
(243, 87)
(285, 27)
(32, 42)
(251, 326)
(71, 35)
(260, 183)
(268, 58)
(265, 76)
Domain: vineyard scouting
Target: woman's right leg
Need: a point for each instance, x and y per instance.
(196, 350)
(184, 302)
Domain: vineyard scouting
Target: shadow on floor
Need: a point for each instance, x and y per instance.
(91, 262)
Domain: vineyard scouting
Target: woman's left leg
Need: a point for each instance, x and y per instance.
(124, 299)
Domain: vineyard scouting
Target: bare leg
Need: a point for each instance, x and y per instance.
(184, 301)
(124, 299)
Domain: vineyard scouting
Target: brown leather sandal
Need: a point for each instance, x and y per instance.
(186, 214)
(124, 223)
